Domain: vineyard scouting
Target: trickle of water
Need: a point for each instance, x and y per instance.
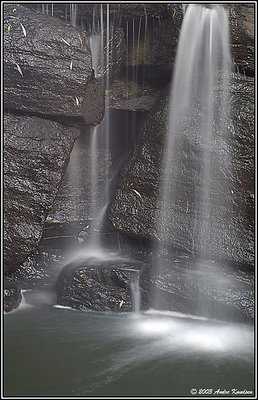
(203, 63)
(73, 14)
(136, 292)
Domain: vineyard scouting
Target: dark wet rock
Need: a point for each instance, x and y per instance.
(135, 206)
(128, 95)
(165, 40)
(86, 12)
(36, 152)
(110, 56)
(154, 44)
(48, 68)
(242, 18)
(101, 287)
(206, 288)
(40, 270)
(139, 10)
(12, 297)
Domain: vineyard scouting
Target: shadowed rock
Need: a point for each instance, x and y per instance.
(35, 155)
(12, 297)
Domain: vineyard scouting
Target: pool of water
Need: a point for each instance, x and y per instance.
(52, 351)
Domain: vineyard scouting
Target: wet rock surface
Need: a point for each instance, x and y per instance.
(39, 271)
(126, 95)
(86, 12)
(135, 206)
(73, 201)
(79, 197)
(208, 288)
(36, 152)
(47, 67)
(12, 297)
(101, 287)
(242, 22)
(109, 55)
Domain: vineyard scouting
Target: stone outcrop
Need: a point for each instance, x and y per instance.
(48, 68)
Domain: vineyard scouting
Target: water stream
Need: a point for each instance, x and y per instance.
(202, 62)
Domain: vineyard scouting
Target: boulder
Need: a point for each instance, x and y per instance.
(48, 68)
(101, 287)
(136, 203)
(12, 297)
(36, 152)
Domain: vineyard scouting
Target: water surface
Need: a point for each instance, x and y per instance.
(61, 352)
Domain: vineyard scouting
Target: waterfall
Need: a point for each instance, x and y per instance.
(99, 135)
(202, 63)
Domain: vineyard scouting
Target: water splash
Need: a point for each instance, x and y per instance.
(203, 63)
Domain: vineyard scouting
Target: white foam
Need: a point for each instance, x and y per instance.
(176, 314)
(183, 333)
(64, 307)
(23, 304)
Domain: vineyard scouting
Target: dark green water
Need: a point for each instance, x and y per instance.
(60, 352)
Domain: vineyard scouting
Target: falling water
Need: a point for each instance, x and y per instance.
(136, 292)
(107, 114)
(73, 14)
(99, 135)
(202, 62)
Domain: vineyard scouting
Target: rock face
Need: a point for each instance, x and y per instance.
(47, 67)
(100, 287)
(155, 43)
(12, 297)
(39, 271)
(206, 288)
(135, 205)
(35, 155)
(242, 17)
